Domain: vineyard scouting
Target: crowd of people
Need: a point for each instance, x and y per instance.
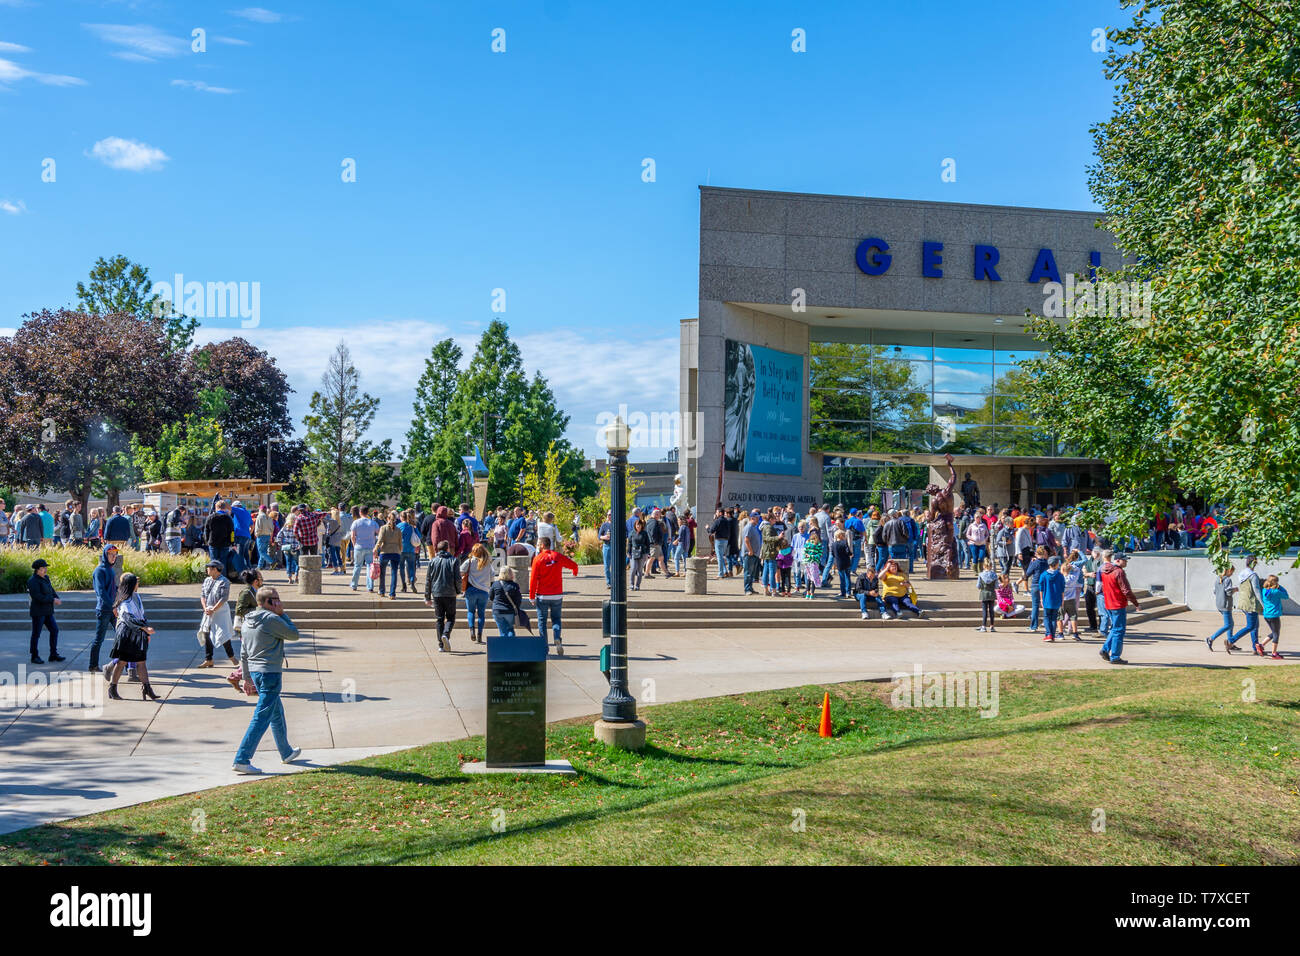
(869, 556)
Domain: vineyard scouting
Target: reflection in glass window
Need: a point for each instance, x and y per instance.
(899, 375)
(965, 439)
(838, 436)
(1019, 441)
(962, 407)
(897, 344)
(903, 438)
(895, 408)
(963, 347)
(962, 377)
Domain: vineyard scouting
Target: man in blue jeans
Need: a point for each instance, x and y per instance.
(1117, 597)
(606, 545)
(261, 659)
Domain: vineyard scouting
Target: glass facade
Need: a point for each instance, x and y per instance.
(899, 391)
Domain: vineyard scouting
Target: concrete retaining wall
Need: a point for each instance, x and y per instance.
(1190, 580)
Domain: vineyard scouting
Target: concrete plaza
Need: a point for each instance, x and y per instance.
(357, 692)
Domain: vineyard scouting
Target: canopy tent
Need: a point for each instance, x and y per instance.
(208, 487)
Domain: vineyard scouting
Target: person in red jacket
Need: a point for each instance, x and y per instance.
(1117, 596)
(443, 530)
(546, 587)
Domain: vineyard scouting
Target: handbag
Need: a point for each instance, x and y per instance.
(520, 613)
(205, 630)
(374, 569)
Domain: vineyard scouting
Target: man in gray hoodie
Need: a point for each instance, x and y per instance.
(262, 659)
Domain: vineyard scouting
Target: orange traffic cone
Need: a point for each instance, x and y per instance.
(825, 729)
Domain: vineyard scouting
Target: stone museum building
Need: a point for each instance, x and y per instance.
(844, 345)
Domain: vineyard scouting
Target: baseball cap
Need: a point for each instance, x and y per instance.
(40, 563)
(754, 513)
(214, 563)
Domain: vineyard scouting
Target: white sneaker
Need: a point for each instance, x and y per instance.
(886, 616)
(981, 628)
(245, 768)
(865, 615)
(559, 648)
(297, 752)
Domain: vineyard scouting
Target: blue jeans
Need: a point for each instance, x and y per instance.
(751, 572)
(978, 552)
(605, 551)
(1103, 620)
(238, 552)
(1036, 597)
(361, 564)
(1114, 645)
(857, 554)
(407, 567)
(679, 557)
(173, 545)
(912, 550)
(103, 626)
(553, 608)
(336, 559)
(1050, 614)
(269, 711)
(769, 573)
(291, 563)
(845, 584)
(264, 552)
(505, 624)
(963, 552)
(476, 605)
(1227, 626)
(862, 603)
(388, 563)
(1251, 628)
(720, 551)
(897, 552)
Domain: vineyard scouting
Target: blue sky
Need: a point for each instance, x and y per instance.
(519, 170)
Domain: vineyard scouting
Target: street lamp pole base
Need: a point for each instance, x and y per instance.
(628, 735)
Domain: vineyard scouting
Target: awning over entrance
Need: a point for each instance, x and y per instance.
(208, 487)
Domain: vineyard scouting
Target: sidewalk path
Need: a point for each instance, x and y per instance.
(354, 693)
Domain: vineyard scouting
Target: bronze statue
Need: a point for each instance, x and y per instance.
(940, 541)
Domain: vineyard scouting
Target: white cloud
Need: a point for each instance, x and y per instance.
(142, 43)
(231, 41)
(588, 375)
(119, 153)
(13, 48)
(258, 15)
(11, 72)
(14, 207)
(202, 87)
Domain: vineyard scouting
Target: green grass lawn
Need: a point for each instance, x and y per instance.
(1183, 769)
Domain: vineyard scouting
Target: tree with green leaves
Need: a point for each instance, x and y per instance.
(120, 285)
(343, 466)
(191, 449)
(1199, 173)
(430, 463)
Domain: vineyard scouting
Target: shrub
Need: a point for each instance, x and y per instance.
(71, 568)
(589, 547)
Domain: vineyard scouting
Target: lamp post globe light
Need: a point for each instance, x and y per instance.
(618, 725)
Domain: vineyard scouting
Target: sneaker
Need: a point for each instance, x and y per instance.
(1049, 638)
(865, 615)
(1256, 649)
(1103, 655)
(1118, 660)
(245, 768)
(133, 676)
(992, 629)
(1209, 642)
(37, 660)
(297, 752)
(981, 628)
(559, 649)
(1078, 638)
(57, 658)
(1275, 656)
(886, 616)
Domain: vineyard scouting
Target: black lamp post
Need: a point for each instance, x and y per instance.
(619, 706)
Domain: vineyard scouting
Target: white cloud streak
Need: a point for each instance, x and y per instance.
(6, 47)
(202, 87)
(14, 207)
(142, 43)
(258, 15)
(11, 72)
(118, 153)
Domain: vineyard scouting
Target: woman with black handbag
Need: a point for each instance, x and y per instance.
(133, 634)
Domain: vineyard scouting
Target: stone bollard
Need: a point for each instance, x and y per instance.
(697, 575)
(309, 574)
(520, 563)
